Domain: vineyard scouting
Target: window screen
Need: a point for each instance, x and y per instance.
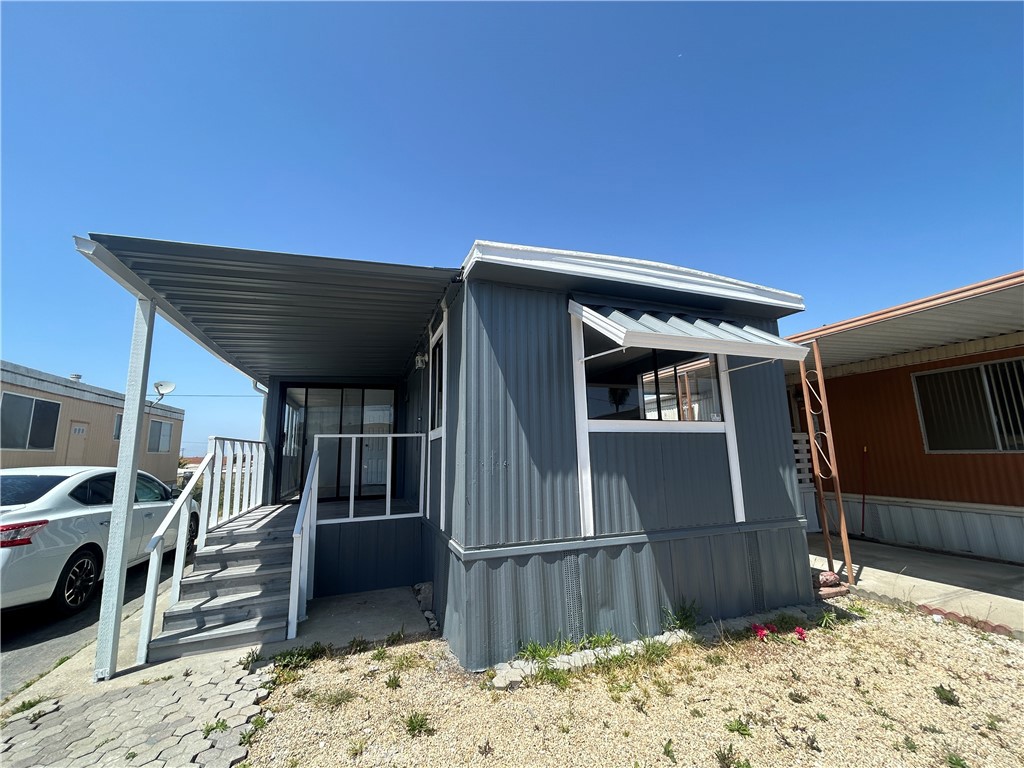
(28, 422)
(159, 437)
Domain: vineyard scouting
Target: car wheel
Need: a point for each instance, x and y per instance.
(193, 534)
(77, 583)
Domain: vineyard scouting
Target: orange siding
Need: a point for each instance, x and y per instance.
(878, 411)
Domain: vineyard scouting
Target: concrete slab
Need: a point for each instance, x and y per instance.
(978, 590)
(369, 615)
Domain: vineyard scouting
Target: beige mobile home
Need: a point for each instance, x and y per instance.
(49, 420)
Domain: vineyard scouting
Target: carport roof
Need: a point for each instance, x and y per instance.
(990, 308)
(279, 314)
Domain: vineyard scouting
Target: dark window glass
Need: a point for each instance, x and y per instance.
(149, 490)
(159, 437)
(15, 418)
(955, 412)
(24, 489)
(101, 490)
(43, 434)
(437, 384)
(117, 425)
(1006, 388)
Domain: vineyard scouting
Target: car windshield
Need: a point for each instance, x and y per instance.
(23, 489)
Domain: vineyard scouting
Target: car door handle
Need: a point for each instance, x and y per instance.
(148, 514)
(104, 522)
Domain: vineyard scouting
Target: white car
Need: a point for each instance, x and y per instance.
(54, 523)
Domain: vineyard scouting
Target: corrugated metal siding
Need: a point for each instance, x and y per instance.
(624, 589)
(455, 474)
(878, 411)
(434, 483)
(521, 482)
(765, 441)
(373, 554)
(919, 524)
(648, 482)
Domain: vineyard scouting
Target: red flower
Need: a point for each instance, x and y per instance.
(761, 632)
(801, 633)
(772, 628)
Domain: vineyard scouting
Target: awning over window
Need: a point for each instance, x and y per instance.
(684, 333)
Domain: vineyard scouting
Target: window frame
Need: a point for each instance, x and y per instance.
(988, 406)
(118, 425)
(436, 415)
(149, 435)
(31, 419)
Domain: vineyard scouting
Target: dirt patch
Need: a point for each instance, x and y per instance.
(862, 693)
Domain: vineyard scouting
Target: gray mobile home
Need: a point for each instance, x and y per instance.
(563, 442)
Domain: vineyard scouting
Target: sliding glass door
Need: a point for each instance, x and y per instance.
(310, 411)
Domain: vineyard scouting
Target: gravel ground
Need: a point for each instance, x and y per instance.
(861, 694)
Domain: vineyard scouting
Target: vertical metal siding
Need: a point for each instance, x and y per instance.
(648, 482)
(455, 473)
(373, 554)
(520, 462)
(764, 438)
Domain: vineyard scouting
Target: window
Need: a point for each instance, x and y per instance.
(95, 492)
(437, 384)
(976, 408)
(118, 418)
(28, 423)
(159, 436)
(148, 489)
(637, 384)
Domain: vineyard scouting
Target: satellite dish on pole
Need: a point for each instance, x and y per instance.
(163, 388)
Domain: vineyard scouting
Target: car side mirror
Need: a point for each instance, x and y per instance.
(175, 493)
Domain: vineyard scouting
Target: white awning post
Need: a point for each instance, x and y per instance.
(120, 529)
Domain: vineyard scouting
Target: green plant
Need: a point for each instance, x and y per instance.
(356, 747)
(664, 687)
(250, 659)
(953, 760)
(785, 622)
(380, 654)
(417, 724)
(187, 672)
(393, 681)
(822, 716)
(220, 725)
(931, 729)
(131, 755)
(605, 639)
(27, 704)
(684, 616)
(403, 662)
(357, 645)
(715, 659)
(727, 758)
(653, 651)
(909, 744)
(258, 723)
(396, 637)
(947, 695)
(639, 702)
(560, 678)
(485, 749)
(994, 721)
(798, 698)
(60, 661)
(336, 698)
(812, 742)
(828, 620)
(696, 713)
(668, 751)
(302, 656)
(857, 607)
(738, 726)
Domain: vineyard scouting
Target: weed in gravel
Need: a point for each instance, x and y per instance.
(403, 662)
(394, 681)
(812, 742)
(696, 712)
(683, 616)
(251, 659)
(663, 686)
(35, 716)
(715, 659)
(881, 712)
(639, 701)
(258, 724)
(187, 672)
(909, 744)
(931, 729)
(336, 698)
(653, 651)
(822, 717)
(953, 760)
(785, 622)
(417, 724)
(560, 678)
(396, 637)
(828, 620)
(356, 645)
(485, 749)
(859, 608)
(798, 698)
(947, 695)
(994, 721)
(302, 656)
(668, 751)
(380, 654)
(356, 747)
(727, 758)
(596, 642)
(27, 704)
(739, 727)
(220, 725)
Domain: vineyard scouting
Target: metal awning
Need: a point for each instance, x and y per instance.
(683, 332)
(278, 314)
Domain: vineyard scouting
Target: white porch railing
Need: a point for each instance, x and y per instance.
(304, 532)
(232, 473)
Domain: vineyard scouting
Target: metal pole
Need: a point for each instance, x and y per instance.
(120, 531)
(812, 433)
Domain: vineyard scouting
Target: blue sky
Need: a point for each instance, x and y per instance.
(859, 154)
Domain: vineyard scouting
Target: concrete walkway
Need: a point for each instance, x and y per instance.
(984, 593)
(155, 715)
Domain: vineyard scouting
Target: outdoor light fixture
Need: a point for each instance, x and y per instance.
(421, 362)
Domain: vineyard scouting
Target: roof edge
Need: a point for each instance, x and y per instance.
(619, 268)
(992, 285)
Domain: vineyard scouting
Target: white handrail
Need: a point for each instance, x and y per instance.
(300, 538)
(182, 509)
(238, 497)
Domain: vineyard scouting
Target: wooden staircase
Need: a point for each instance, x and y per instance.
(236, 594)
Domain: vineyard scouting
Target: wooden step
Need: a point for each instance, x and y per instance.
(236, 579)
(241, 634)
(224, 554)
(206, 612)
